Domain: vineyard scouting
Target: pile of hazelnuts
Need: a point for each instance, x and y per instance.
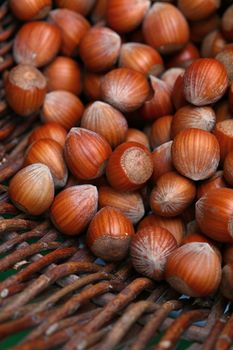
(135, 144)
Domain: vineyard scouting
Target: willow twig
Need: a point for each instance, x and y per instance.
(12, 166)
(3, 9)
(22, 253)
(24, 274)
(38, 231)
(7, 225)
(8, 208)
(153, 324)
(43, 282)
(110, 310)
(5, 34)
(174, 332)
(94, 338)
(123, 324)
(55, 297)
(73, 320)
(3, 188)
(226, 336)
(6, 48)
(56, 339)
(214, 334)
(28, 321)
(83, 254)
(6, 129)
(70, 307)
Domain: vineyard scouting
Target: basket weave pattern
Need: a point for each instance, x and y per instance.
(62, 295)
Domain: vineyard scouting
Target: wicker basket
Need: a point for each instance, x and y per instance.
(54, 294)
